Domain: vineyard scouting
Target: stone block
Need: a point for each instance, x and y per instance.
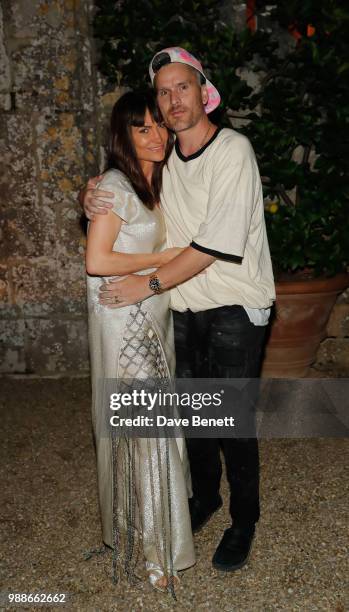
(72, 238)
(24, 18)
(45, 73)
(52, 14)
(56, 346)
(5, 79)
(338, 325)
(12, 334)
(333, 355)
(34, 287)
(12, 361)
(61, 158)
(27, 228)
(50, 287)
(49, 141)
(5, 101)
(5, 291)
(71, 285)
(42, 171)
(18, 178)
(27, 232)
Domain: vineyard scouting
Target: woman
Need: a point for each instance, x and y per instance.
(138, 479)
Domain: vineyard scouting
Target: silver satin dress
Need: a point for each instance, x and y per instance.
(143, 484)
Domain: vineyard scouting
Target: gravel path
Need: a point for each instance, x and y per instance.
(49, 518)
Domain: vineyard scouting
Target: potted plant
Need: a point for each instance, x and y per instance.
(301, 136)
(296, 119)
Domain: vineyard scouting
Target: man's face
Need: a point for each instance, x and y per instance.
(180, 96)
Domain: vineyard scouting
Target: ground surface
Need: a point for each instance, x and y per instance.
(49, 518)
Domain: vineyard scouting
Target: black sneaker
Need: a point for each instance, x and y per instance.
(234, 548)
(200, 514)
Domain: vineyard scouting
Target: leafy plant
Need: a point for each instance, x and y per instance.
(298, 116)
(130, 32)
(302, 138)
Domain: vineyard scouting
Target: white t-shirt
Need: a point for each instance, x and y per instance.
(213, 200)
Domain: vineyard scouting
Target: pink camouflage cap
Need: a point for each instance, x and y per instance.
(177, 54)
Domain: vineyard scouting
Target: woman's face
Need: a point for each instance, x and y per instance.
(150, 140)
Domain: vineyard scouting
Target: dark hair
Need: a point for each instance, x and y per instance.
(129, 111)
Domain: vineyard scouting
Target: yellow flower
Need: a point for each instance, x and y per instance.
(273, 208)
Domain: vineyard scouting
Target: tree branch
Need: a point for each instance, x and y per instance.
(282, 193)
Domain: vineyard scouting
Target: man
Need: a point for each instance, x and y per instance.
(212, 200)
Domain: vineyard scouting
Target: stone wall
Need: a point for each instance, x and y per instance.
(333, 354)
(52, 112)
(49, 139)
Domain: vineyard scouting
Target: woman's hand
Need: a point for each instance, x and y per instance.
(169, 254)
(119, 293)
(95, 201)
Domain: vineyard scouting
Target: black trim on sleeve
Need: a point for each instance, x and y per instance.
(226, 256)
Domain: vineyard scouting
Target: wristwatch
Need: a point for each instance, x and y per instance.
(154, 284)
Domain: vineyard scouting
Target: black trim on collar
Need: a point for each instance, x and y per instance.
(200, 151)
(234, 258)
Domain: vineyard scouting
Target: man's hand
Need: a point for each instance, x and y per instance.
(132, 289)
(95, 201)
(135, 287)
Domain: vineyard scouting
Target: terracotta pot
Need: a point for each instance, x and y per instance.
(302, 312)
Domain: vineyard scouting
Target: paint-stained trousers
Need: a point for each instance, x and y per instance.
(222, 343)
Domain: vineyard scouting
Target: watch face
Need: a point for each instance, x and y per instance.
(154, 284)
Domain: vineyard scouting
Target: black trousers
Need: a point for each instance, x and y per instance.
(222, 343)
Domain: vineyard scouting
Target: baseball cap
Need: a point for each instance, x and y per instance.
(182, 56)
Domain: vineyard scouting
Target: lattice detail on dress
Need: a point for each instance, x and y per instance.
(142, 364)
(141, 354)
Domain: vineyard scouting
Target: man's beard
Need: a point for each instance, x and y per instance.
(179, 124)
